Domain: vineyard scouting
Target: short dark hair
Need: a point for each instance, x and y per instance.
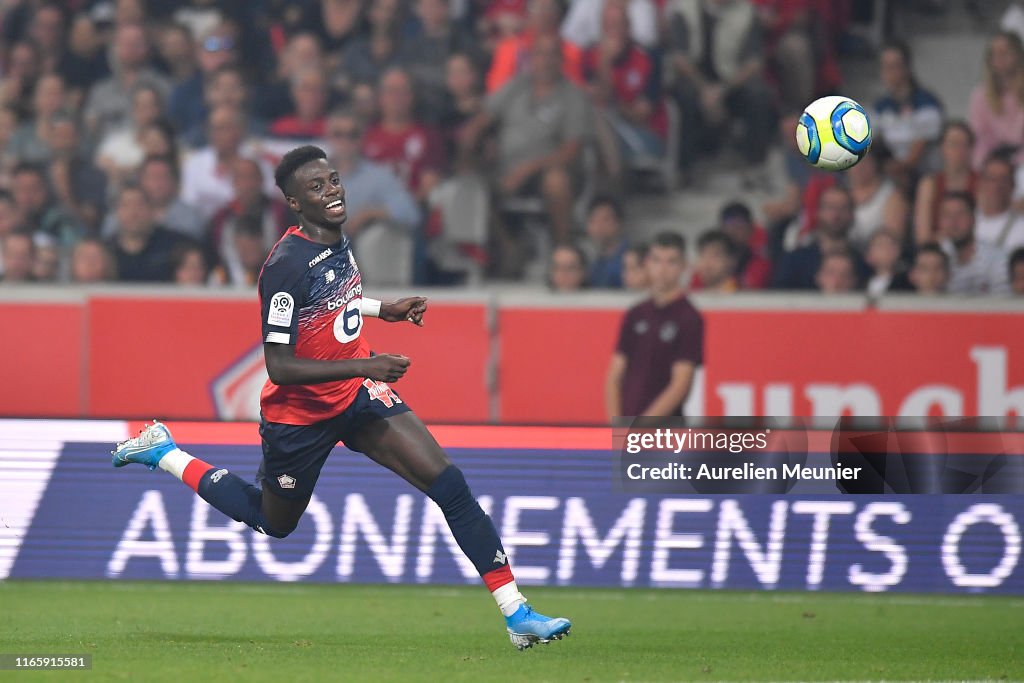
(133, 186)
(736, 210)
(960, 196)
(712, 237)
(933, 248)
(28, 167)
(670, 240)
(607, 200)
(292, 161)
(961, 125)
(639, 249)
(1016, 257)
(161, 159)
(901, 46)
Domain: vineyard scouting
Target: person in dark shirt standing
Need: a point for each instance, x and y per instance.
(661, 341)
(142, 249)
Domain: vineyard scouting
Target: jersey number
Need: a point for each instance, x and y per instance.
(349, 322)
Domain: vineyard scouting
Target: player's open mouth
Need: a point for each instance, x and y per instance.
(336, 207)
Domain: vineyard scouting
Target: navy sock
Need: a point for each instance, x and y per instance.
(473, 529)
(236, 498)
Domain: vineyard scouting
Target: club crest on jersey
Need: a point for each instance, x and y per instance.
(381, 392)
(281, 307)
(286, 482)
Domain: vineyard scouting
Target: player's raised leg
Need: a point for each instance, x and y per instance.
(403, 444)
(238, 499)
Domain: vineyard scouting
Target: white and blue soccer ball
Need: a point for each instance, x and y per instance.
(833, 133)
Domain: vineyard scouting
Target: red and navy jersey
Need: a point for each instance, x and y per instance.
(310, 295)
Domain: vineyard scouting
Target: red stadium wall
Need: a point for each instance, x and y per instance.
(175, 357)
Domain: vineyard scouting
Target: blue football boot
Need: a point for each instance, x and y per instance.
(152, 443)
(526, 628)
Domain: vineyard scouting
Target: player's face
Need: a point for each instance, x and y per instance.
(317, 194)
(665, 266)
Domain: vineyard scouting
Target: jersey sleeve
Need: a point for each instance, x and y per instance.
(690, 347)
(281, 295)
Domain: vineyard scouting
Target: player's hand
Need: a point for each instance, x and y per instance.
(386, 367)
(411, 309)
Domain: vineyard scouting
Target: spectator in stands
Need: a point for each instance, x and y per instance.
(426, 55)
(749, 240)
(142, 249)
(207, 173)
(21, 71)
(178, 54)
(251, 204)
(799, 47)
(10, 215)
(878, 203)
(160, 180)
(544, 17)
(46, 264)
(225, 87)
(997, 103)
(634, 271)
(955, 175)
(216, 47)
(120, 152)
(189, 264)
(34, 202)
(785, 206)
(368, 56)
(661, 341)
(47, 29)
(77, 184)
(373, 193)
(583, 27)
(567, 271)
(413, 149)
(997, 221)
(715, 268)
(501, 19)
(975, 267)
(464, 100)
(604, 230)
(110, 100)
(31, 140)
(8, 127)
(907, 118)
(716, 87)
(1016, 267)
(84, 62)
(306, 122)
(798, 269)
(91, 262)
(303, 51)
(622, 82)
(18, 253)
(837, 273)
(535, 154)
(888, 272)
(334, 22)
(248, 252)
(930, 273)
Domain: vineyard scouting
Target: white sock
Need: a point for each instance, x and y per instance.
(175, 462)
(508, 598)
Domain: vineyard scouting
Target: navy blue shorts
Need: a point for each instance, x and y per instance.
(293, 455)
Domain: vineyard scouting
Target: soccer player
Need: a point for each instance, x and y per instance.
(326, 386)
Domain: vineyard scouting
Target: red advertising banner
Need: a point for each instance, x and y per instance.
(41, 353)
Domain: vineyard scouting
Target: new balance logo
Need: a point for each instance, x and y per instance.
(329, 276)
(500, 558)
(216, 476)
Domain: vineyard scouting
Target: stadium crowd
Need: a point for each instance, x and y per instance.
(137, 142)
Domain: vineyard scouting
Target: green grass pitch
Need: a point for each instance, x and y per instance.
(226, 631)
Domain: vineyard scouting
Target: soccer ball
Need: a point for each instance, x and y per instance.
(833, 133)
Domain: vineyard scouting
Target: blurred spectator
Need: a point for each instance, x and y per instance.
(798, 269)
(955, 175)
(716, 263)
(582, 25)
(8, 128)
(634, 272)
(622, 81)
(715, 86)
(1016, 268)
(604, 230)
(930, 273)
(996, 220)
(10, 216)
(225, 87)
(795, 175)
(373, 193)
(997, 103)
(464, 100)
(426, 56)
(568, 269)
(975, 267)
(749, 240)
(177, 51)
(31, 140)
(837, 274)
(207, 173)
(91, 262)
(309, 93)
(46, 29)
(215, 48)
(84, 62)
(302, 51)
(46, 264)
(368, 56)
(159, 179)
(888, 272)
(18, 253)
(512, 54)
(540, 154)
(334, 22)
(878, 203)
(661, 340)
(501, 19)
(21, 70)
(77, 184)
(907, 118)
(413, 149)
(109, 100)
(120, 151)
(248, 250)
(158, 140)
(251, 205)
(142, 249)
(34, 202)
(189, 264)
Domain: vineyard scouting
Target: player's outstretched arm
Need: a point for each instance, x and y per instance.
(284, 368)
(411, 308)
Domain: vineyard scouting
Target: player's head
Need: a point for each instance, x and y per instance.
(310, 185)
(665, 262)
